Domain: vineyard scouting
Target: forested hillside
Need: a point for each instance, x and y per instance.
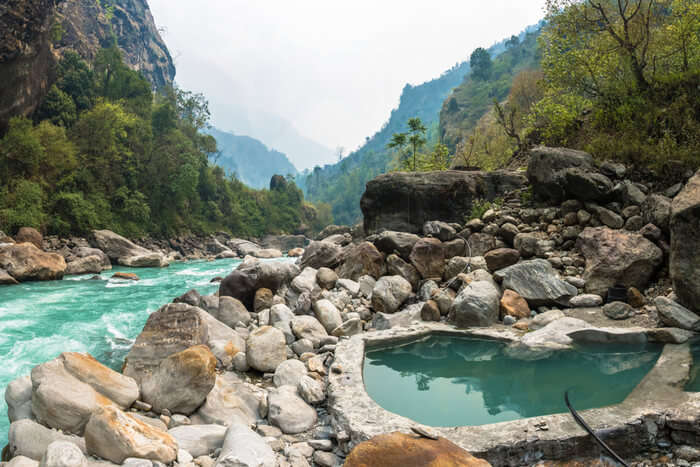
(342, 184)
(248, 159)
(104, 151)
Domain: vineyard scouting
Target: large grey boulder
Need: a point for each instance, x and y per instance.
(114, 435)
(306, 281)
(87, 265)
(676, 315)
(398, 267)
(289, 373)
(252, 275)
(405, 201)
(321, 254)
(327, 314)
(389, 293)
(477, 304)
(18, 396)
(536, 281)
(308, 327)
(182, 381)
(266, 348)
(199, 440)
(542, 342)
(125, 252)
(66, 391)
(546, 170)
(428, 257)
(232, 400)
(656, 209)
(232, 312)
(63, 454)
(585, 185)
(684, 266)
(289, 412)
(615, 257)
(30, 439)
(389, 242)
(244, 448)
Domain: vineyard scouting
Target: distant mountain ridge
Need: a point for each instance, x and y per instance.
(252, 161)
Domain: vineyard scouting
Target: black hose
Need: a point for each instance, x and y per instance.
(590, 431)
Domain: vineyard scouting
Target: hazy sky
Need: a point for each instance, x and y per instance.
(334, 69)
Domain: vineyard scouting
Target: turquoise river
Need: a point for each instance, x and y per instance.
(39, 320)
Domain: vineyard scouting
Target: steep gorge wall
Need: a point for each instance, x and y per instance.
(34, 34)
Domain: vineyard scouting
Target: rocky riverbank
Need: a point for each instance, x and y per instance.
(241, 378)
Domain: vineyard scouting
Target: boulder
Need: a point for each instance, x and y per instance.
(7, 279)
(389, 242)
(199, 440)
(250, 276)
(398, 267)
(308, 327)
(428, 257)
(501, 258)
(306, 281)
(480, 243)
(321, 254)
(333, 229)
(326, 278)
(327, 314)
(263, 299)
(676, 315)
(21, 461)
(389, 293)
(339, 239)
(181, 382)
(30, 235)
(26, 262)
(463, 264)
(284, 242)
(243, 447)
(349, 327)
(114, 435)
(360, 260)
(29, 439)
(243, 247)
(87, 265)
(63, 454)
(173, 328)
(542, 342)
(267, 253)
(124, 252)
(617, 258)
(430, 311)
(512, 304)
(477, 304)
(684, 266)
(617, 310)
(232, 400)
(295, 252)
(586, 301)
(289, 412)
(311, 390)
(232, 312)
(266, 348)
(66, 391)
(289, 373)
(656, 210)
(18, 396)
(405, 201)
(536, 281)
(546, 171)
(585, 185)
(127, 276)
(401, 450)
(440, 230)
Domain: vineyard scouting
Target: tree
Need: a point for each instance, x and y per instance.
(514, 41)
(480, 63)
(398, 142)
(416, 137)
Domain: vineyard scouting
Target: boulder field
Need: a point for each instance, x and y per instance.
(240, 378)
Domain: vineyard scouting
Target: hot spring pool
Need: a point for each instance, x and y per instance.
(456, 381)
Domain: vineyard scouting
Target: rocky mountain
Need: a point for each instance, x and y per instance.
(252, 162)
(34, 34)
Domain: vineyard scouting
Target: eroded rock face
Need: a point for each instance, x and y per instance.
(684, 266)
(402, 450)
(405, 201)
(182, 381)
(114, 435)
(536, 281)
(26, 262)
(616, 257)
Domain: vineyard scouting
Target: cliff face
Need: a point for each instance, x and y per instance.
(34, 34)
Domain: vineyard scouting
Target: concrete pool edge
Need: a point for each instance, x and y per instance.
(657, 411)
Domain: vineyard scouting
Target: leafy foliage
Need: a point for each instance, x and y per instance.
(103, 151)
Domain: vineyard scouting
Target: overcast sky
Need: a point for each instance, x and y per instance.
(334, 69)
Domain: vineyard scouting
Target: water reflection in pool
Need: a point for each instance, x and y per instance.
(451, 381)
